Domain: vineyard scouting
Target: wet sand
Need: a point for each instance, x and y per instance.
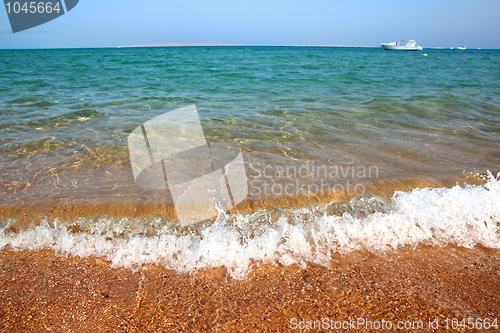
(147, 203)
(40, 291)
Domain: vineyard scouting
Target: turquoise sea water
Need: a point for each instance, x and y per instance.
(347, 116)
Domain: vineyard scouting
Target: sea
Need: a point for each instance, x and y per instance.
(344, 149)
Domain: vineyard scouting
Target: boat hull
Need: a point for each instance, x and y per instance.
(400, 47)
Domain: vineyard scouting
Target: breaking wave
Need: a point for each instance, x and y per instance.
(462, 215)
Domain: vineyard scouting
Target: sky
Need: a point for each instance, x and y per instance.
(98, 23)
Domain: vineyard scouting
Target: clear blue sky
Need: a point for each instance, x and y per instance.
(94, 23)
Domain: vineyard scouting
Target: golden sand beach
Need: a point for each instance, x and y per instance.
(40, 291)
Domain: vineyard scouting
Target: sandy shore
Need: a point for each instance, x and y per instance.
(220, 44)
(178, 44)
(40, 291)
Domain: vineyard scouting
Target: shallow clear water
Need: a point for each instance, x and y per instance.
(315, 119)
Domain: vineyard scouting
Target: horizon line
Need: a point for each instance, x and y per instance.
(223, 45)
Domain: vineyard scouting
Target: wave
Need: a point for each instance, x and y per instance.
(461, 215)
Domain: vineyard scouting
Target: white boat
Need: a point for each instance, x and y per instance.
(461, 48)
(402, 45)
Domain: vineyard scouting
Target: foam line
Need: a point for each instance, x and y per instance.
(464, 216)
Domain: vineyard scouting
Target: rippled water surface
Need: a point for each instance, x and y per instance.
(65, 114)
(349, 126)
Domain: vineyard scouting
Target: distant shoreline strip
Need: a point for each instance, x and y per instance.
(218, 44)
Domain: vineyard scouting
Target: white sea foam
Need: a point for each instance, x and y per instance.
(464, 216)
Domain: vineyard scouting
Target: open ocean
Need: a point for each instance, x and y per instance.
(345, 149)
